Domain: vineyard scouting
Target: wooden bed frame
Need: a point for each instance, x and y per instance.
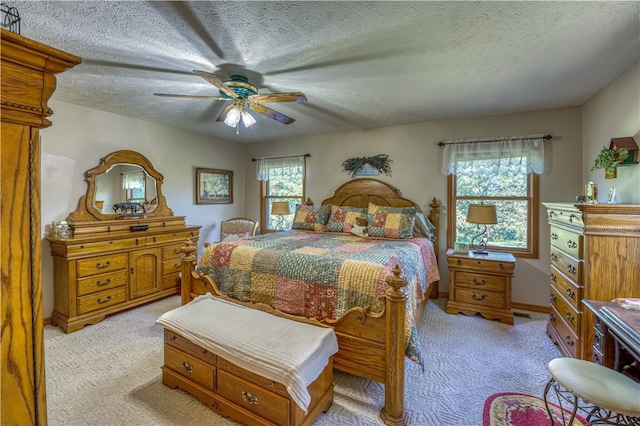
(371, 346)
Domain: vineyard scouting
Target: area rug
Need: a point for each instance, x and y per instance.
(517, 409)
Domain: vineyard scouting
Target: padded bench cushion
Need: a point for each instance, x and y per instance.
(282, 350)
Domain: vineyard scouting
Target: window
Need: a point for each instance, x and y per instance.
(133, 184)
(281, 179)
(502, 173)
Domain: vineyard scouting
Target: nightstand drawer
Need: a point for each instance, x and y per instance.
(481, 298)
(480, 264)
(480, 282)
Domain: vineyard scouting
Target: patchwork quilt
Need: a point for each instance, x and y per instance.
(322, 275)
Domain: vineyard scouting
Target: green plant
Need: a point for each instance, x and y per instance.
(379, 162)
(608, 157)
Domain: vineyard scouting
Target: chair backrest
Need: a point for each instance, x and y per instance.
(239, 227)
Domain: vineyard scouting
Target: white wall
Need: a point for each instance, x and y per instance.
(80, 137)
(613, 113)
(417, 163)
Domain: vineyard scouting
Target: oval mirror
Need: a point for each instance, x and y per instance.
(122, 178)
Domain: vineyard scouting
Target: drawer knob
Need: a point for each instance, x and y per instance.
(188, 368)
(570, 317)
(551, 214)
(553, 277)
(249, 398)
(571, 269)
(479, 298)
(102, 283)
(571, 293)
(176, 265)
(552, 318)
(554, 236)
(553, 297)
(571, 217)
(554, 257)
(105, 300)
(572, 244)
(103, 265)
(481, 282)
(459, 262)
(568, 341)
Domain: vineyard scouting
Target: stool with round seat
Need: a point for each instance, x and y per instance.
(609, 397)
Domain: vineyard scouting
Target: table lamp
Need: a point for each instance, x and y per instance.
(280, 208)
(481, 214)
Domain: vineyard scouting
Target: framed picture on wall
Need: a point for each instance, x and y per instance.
(214, 186)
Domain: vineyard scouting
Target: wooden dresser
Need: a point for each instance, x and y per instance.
(595, 254)
(107, 266)
(27, 82)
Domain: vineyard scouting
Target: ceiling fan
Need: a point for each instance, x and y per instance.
(243, 95)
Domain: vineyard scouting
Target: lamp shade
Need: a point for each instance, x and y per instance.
(482, 213)
(280, 207)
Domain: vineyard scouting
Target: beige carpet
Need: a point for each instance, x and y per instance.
(96, 378)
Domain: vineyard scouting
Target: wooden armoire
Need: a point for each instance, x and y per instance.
(27, 82)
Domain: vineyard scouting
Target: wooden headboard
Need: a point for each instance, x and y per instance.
(362, 191)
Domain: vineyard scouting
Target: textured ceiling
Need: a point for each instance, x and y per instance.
(361, 64)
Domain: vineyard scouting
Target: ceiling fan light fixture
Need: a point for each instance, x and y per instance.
(247, 119)
(233, 118)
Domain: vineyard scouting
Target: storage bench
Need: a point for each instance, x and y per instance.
(214, 350)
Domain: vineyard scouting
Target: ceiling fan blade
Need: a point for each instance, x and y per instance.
(169, 95)
(216, 82)
(271, 113)
(279, 97)
(224, 113)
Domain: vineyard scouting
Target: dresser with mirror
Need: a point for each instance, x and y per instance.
(124, 244)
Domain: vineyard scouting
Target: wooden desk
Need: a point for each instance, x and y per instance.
(616, 340)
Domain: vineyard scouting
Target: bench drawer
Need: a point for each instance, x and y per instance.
(190, 367)
(251, 397)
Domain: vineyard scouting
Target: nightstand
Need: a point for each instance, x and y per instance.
(481, 284)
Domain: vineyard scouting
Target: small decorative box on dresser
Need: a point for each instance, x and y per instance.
(481, 283)
(595, 254)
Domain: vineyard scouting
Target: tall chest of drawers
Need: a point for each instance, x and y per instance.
(107, 267)
(594, 254)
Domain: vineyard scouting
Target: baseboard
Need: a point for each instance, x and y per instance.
(47, 321)
(519, 306)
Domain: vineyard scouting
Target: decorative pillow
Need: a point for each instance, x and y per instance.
(227, 235)
(343, 218)
(391, 222)
(424, 228)
(311, 218)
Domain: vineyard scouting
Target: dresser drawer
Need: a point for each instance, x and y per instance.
(172, 251)
(569, 313)
(568, 288)
(100, 265)
(101, 282)
(571, 218)
(179, 342)
(170, 281)
(263, 382)
(170, 266)
(567, 241)
(190, 367)
(251, 397)
(101, 300)
(568, 339)
(481, 298)
(175, 236)
(102, 246)
(479, 264)
(480, 282)
(567, 264)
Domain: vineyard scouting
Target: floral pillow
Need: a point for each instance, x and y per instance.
(390, 222)
(343, 218)
(311, 218)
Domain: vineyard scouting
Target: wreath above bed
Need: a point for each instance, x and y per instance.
(380, 162)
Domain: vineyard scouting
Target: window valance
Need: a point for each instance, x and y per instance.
(290, 167)
(496, 155)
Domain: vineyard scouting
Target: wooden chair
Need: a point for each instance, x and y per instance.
(239, 227)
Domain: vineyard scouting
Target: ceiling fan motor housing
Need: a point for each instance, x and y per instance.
(240, 84)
